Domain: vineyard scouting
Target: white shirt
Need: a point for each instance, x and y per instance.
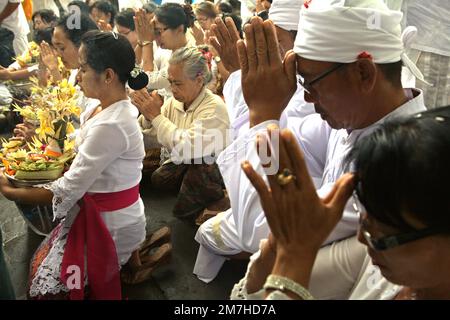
(135, 4)
(50, 4)
(324, 150)
(16, 21)
(109, 159)
(239, 112)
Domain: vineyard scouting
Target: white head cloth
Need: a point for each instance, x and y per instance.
(285, 13)
(172, 1)
(341, 30)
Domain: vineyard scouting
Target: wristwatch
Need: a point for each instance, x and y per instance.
(217, 59)
(144, 43)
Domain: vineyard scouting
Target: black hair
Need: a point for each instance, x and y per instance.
(84, 8)
(392, 72)
(43, 35)
(48, 16)
(6, 47)
(174, 15)
(111, 50)
(225, 7)
(74, 33)
(402, 167)
(237, 22)
(236, 4)
(150, 7)
(125, 18)
(207, 9)
(105, 7)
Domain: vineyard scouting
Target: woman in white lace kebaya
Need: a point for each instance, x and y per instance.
(98, 198)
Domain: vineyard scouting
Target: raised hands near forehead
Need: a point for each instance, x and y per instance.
(224, 39)
(268, 82)
(199, 34)
(48, 57)
(299, 220)
(145, 27)
(104, 26)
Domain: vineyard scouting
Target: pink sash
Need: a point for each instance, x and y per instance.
(90, 232)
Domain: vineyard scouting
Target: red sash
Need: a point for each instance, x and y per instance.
(90, 232)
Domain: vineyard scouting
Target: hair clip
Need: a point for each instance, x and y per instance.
(115, 35)
(135, 72)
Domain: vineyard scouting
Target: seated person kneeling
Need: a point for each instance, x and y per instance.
(192, 127)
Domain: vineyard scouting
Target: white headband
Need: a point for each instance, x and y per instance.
(330, 31)
(285, 13)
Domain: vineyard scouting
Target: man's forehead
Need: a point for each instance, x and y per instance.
(307, 67)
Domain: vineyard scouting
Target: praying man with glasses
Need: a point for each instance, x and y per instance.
(354, 84)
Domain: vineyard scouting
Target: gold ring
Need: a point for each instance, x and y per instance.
(285, 177)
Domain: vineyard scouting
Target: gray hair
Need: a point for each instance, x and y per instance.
(195, 62)
(150, 7)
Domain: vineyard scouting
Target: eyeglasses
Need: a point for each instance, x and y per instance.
(158, 32)
(389, 242)
(307, 85)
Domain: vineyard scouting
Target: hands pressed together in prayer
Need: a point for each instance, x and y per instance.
(48, 57)
(145, 27)
(299, 220)
(49, 60)
(104, 26)
(148, 104)
(224, 42)
(268, 82)
(198, 33)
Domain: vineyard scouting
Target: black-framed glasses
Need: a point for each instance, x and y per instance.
(307, 85)
(389, 242)
(158, 32)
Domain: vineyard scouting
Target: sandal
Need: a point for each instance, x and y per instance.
(206, 215)
(142, 269)
(155, 239)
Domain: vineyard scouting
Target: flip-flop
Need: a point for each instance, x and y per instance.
(143, 272)
(155, 239)
(206, 215)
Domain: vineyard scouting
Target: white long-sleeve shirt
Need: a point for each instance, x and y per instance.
(239, 112)
(109, 158)
(200, 131)
(324, 149)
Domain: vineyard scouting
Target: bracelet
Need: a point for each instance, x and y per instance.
(283, 283)
(144, 43)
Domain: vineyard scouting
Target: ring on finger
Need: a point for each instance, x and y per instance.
(285, 177)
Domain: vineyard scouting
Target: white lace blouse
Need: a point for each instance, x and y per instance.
(110, 151)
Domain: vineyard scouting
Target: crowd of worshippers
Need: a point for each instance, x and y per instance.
(311, 138)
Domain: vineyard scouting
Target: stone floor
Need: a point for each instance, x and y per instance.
(174, 281)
